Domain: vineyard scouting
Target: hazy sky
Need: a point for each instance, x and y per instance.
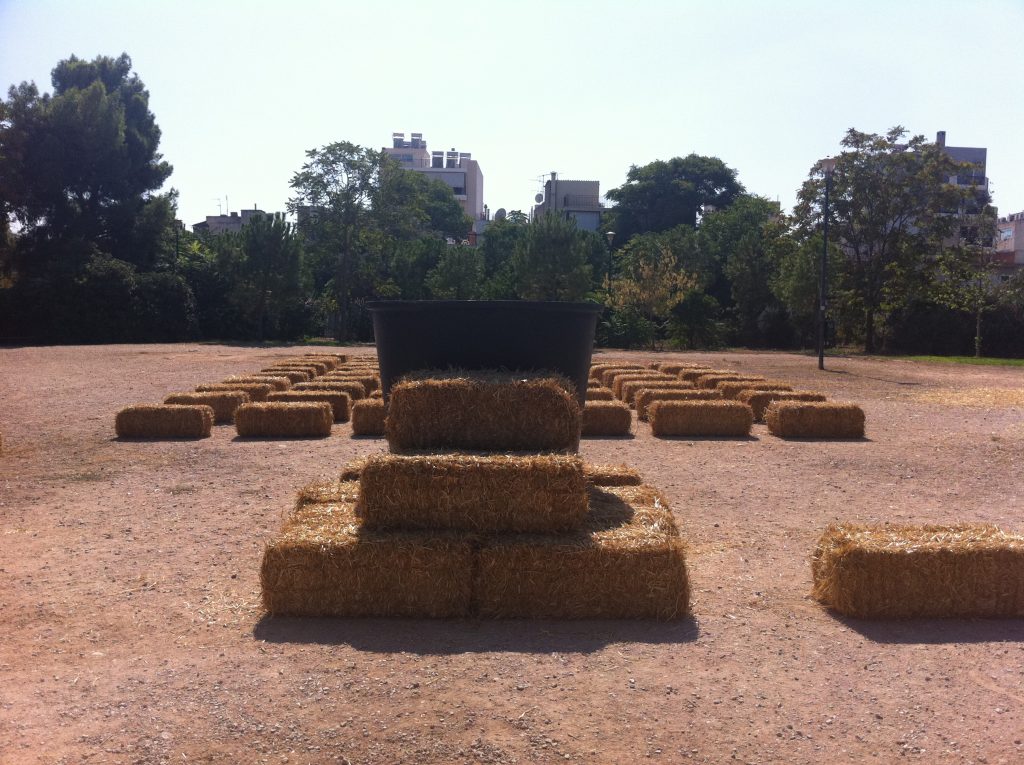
(242, 89)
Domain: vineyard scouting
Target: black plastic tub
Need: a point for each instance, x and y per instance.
(484, 334)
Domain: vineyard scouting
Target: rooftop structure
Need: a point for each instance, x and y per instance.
(455, 168)
(231, 223)
(579, 200)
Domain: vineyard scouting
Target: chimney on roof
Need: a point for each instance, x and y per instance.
(940, 138)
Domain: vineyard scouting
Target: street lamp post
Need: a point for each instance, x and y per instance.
(828, 166)
(610, 235)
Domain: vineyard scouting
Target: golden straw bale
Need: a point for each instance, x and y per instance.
(293, 375)
(611, 475)
(710, 381)
(499, 493)
(485, 411)
(599, 394)
(376, 394)
(731, 388)
(343, 489)
(223, 403)
(969, 570)
(758, 400)
(307, 368)
(341, 402)
(811, 419)
(369, 380)
(303, 361)
(284, 419)
(646, 396)
(256, 391)
(275, 382)
(675, 367)
(164, 421)
(607, 375)
(368, 416)
(692, 375)
(627, 562)
(631, 387)
(606, 418)
(596, 370)
(620, 378)
(331, 362)
(700, 418)
(355, 389)
(324, 563)
(353, 469)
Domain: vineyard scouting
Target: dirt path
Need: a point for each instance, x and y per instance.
(132, 632)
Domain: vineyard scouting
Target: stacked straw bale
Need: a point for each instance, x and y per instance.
(256, 391)
(276, 382)
(369, 380)
(355, 389)
(647, 396)
(164, 421)
(700, 418)
(711, 381)
(971, 570)
(310, 369)
(611, 475)
(282, 419)
(223, 403)
(483, 412)
(631, 387)
(607, 375)
(692, 375)
(599, 394)
(810, 419)
(620, 379)
(368, 417)
(328, 360)
(340, 402)
(626, 562)
(319, 366)
(597, 370)
(540, 494)
(293, 375)
(675, 368)
(606, 418)
(758, 400)
(732, 389)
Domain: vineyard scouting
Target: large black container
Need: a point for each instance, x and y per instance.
(484, 334)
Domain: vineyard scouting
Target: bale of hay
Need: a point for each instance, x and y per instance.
(329, 361)
(758, 400)
(499, 493)
(376, 394)
(340, 402)
(369, 380)
(368, 416)
(164, 421)
(293, 375)
(596, 370)
(310, 369)
(700, 418)
(970, 570)
(324, 563)
(732, 388)
(692, 375)
(711, 381)
(256, 391)
(282, 419)
(223, 403)
(606, 418)
(355, 389)
(276, 382)
(607, 374)
(326, 491)
(811, 419)
(620, 378)
(627, 562)
(302, 361)
(631, 387)
(675, 367)
(485, 412)
(647, 396)
(611, 475)
(599, 394)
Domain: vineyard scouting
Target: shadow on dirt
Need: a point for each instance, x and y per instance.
(443, 637)
(936, 631)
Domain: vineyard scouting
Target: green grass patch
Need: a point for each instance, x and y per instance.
(984, 361)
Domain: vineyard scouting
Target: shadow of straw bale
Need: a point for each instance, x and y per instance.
(707, 438)
(257, 439)
(935, 631)
(624, 437)
(802, 440)
(445, 637)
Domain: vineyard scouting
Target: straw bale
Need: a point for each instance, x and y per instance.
(376, 394)
(276, 382)
(596, 370)
(309, 369)
(647, 396)
(486, 411)
(284, 419)
(599, 393)
(304, 361)
(758, 400)
(611, 475)
(370, 380)
(327, 491)
(812, 419)
(223, 403)
(967, 570)
(368, 416)
(700, 418)
(710, 381)
(164, 421)
(675, 367)
(607, 374)
(627, 562)
(329, 361)
(606, 418)
(324, 563)
(293, 375)
(731, 388)
(341, 402)
(353, 388)
(631, 387)
(256, 391)
(498, 493)
(692, 375)
(620, 378)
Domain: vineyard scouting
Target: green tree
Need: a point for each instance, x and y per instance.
(271, 269)
(458, 274)
(663, 195)
(500, 241)
(551, 260)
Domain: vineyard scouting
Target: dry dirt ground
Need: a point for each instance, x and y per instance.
(132, 633)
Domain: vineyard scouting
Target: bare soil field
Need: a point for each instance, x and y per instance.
(132, 631)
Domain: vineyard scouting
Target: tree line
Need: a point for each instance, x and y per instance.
(90, 251)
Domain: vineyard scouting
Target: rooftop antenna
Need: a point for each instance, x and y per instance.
(227, 205)
(220, 210)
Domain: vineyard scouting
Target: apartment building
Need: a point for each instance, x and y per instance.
(579, 200)
(455, 168)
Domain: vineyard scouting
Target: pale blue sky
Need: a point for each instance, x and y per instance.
(242, 89)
